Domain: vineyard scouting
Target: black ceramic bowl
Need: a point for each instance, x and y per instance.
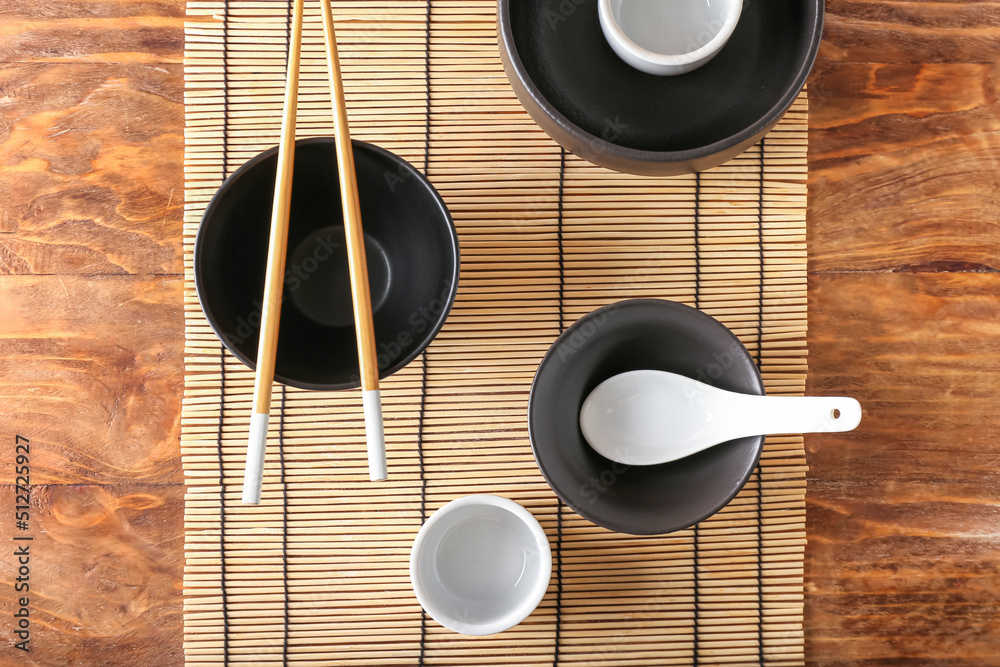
(595, 105)
(410, 243)
(627, 336)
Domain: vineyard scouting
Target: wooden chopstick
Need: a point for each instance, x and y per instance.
(357, 263)
(275, 273)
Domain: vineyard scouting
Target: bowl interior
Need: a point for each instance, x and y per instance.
(571, 67)
(479, 568)
(411, 248)
(634, 335)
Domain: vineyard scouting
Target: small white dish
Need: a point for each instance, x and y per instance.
(668, 37)
(480, 565)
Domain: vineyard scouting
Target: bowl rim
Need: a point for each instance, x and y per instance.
(229, 183)
(614, 524)
(526, 606)
(625, 153)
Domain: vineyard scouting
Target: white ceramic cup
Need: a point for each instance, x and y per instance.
(668, 37)
(480, 565)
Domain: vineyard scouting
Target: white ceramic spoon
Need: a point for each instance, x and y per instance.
(650, 417)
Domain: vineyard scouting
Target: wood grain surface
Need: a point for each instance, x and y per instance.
(106, 565)
(91, 332)
(903, 562)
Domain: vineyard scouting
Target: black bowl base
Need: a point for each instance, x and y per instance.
(318, 282)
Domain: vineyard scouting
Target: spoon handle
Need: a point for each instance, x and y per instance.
(768, 415)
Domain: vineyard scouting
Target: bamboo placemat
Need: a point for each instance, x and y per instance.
(318, 573)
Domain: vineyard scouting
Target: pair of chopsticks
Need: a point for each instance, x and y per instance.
(273, 282)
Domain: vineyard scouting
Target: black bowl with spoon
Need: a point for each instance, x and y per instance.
(627, 336)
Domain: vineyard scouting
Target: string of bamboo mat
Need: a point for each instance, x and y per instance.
(318, 573)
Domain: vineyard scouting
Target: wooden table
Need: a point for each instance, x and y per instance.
(903, 563)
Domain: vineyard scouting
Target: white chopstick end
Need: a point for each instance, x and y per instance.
(375, 434)
(253, 475)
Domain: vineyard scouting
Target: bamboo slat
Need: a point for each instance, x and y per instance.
(318, 572)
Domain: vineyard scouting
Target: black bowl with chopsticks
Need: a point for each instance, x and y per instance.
(596, 106)
(412, 255)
